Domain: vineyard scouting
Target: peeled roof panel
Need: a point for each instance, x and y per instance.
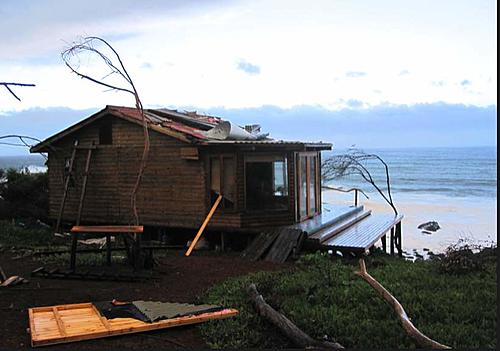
(155, 310)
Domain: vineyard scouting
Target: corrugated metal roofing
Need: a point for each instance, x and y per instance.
(188, 126)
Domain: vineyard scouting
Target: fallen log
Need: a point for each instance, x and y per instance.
(421, 339)
(287, 327)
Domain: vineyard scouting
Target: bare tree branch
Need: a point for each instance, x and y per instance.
(87, 45)
(7, 85)
(421, 339)
(353, 164)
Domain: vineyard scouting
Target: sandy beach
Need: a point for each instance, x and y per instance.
(472, 218)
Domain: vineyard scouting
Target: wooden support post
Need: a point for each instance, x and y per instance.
(384, 243)
(66, 186)
(398, 237)
(108, 249)
(72, 260)
(202, 228)
(222, 242)
(392, 241)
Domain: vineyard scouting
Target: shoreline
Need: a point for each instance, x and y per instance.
(474, 219)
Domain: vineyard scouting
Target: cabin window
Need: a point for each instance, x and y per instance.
(222, 180)
(266, 179)
(106, 133)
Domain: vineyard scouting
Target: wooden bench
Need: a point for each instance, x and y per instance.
(105, 230)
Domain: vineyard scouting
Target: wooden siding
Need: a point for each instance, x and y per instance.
(172, 191)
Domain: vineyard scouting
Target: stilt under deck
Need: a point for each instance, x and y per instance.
(352, 229)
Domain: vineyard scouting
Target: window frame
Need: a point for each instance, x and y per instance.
(267, 157)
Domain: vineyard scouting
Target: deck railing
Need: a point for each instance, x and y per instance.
(356, 191)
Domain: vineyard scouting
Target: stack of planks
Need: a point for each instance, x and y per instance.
(275, 245)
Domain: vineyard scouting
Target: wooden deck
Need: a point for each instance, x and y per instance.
(364, 234)
(352, 229)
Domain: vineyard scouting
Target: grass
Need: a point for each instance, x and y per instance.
(327, 300)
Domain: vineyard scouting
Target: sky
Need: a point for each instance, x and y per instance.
(349, 66)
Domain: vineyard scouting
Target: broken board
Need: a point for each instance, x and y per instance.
(68, 323)
(260, 244)
(288, 241)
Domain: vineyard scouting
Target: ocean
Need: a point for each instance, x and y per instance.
(426, 172)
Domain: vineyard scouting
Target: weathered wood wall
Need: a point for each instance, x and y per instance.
(172, 191)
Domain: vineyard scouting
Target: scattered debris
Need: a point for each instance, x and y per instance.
(76, 322)
(41, 272)
(427, 227)
(12, 280)
(96, 241)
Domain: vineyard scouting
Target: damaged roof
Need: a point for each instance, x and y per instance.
(188, 126)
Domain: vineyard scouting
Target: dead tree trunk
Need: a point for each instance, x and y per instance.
(290, 330)
(421, 339)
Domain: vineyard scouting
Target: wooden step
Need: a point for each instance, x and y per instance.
(330, 231)
(364, 234)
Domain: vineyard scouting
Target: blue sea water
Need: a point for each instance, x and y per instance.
(469, 172)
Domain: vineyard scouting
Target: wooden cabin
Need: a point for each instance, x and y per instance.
(264, 182)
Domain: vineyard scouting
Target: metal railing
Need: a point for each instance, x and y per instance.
(356, 191)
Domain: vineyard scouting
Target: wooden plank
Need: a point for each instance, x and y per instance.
(10, 281)
(260, 244)
(329, 232)
(66, 186)
(108, 229)
(84, 322)
(283, 245)
(202, 228)
(60, 324)
(103, 319)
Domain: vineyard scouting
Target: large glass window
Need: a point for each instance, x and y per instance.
(266, 179)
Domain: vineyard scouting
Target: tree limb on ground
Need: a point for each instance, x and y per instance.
(290, 330)
(421, 339)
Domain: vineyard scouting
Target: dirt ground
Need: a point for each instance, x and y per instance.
(181, 279)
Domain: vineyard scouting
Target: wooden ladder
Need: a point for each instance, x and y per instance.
(67, 182)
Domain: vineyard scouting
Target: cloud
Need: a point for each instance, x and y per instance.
(438, 83)
(353, 103)
(248, 67)
(355, 74)
(465, 82)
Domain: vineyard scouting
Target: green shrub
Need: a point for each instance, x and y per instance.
(23, 195)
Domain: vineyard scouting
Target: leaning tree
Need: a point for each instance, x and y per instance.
(358, 163)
